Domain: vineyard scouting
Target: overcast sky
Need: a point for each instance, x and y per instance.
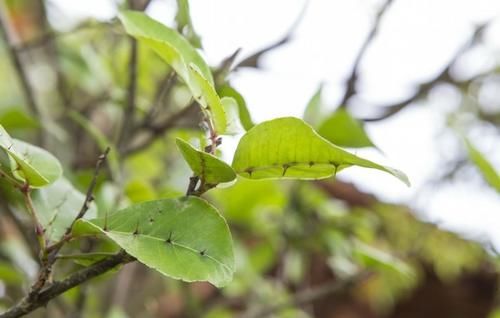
(416, 39)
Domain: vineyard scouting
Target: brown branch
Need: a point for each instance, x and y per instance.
(158, 130)
(351, 82)
(29, 304)
(128, 120)
(443, 77)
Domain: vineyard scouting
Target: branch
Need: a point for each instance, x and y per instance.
(29, 304)
(308, 296)
(444, 76)
(159, 130)
(353, 78)
(128, 120)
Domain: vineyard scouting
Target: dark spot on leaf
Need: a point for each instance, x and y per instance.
(202, 253)
(311, 163)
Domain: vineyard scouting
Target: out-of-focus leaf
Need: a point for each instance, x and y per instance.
(184, 23)
(139, 190)
(289, 148)
(244, 114)
(182, 238)
(204, 165)
(15, 118)
(29, 163)
(313, 112)
(487, 170)
(10, 275)
(374, 258)
(344, 130)
(57, 206)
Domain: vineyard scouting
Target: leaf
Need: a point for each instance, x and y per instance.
(206, 166)
(29, 163)
(489, 173)
(344, 130)
(204, 92)
(244, 114)
(313, 112)
(184, 22)
(183, 238)
(184, 58)
(289, 148)
(231, 110)
(57, 205)
(166, 42)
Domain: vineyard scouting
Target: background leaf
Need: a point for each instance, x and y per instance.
(344, 130)
(57, 206)
(182, 238)
(244, 114)
(487, 170)
(289, 148)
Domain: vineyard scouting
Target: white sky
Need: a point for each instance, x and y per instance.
(416, 39)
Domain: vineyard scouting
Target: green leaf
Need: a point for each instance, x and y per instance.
(29, 163)
(244, 114)
(184, 22)
(489, 173)
(231, 110)
(289, 148)
(313, 112)
(184, 59)
(344, 130)
(57, 205)
(204, 165)
(183, 238)
(167, 43)
(204, 92)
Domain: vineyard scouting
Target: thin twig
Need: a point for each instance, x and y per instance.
(29, 304)
(351, 82)
(158, 130)
(444, 76)
(129, 115)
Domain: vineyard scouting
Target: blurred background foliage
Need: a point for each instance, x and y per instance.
(303, 249)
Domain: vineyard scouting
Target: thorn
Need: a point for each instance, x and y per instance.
(169, 239)
(285, 168)
(136, 228)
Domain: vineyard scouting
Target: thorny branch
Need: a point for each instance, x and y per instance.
(29, 304)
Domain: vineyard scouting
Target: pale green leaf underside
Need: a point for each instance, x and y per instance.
(57, 206)
(204, 92)
(184, 59)
(29, 163)
(344, 130)
(143, 27)
(183, 238)
(206, 166)
(289, 148)
(244, 114)
(487, 170)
